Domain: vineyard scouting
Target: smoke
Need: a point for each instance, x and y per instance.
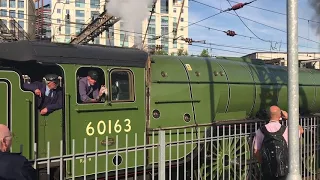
(315, 5)
(132, 13)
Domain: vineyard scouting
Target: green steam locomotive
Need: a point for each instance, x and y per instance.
(146, 93)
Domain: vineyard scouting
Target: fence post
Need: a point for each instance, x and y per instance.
(162, 155)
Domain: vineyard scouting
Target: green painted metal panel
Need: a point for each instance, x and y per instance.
(100, 120)
(22, 116)
(49, 130)
(170, 94)
(242, 88)
(4, 103)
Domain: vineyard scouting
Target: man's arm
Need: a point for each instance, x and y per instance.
(57, 105)
(32, 86)
(26, 171)
(82, 91)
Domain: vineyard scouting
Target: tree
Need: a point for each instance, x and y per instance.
(204, 53)
(160, 52)
(181, 52)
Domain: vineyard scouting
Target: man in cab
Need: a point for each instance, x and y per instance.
(89, 89)
(48, 94)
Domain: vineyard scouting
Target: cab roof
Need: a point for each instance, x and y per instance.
(61, 53)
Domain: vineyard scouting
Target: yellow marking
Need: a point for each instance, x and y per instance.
(188, 67)
(101, 127)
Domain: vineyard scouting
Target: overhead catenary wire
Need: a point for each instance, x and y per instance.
(253, 21)
(207, 27)
(280, 13)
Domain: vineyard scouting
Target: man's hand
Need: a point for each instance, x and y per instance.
(37, 92)
(44, 111)
(285, 114)
(102, 89)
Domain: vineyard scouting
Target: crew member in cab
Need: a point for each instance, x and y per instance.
(48, 93)
(89, 88)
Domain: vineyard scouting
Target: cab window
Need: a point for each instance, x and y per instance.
(89, 82)
(122, 85)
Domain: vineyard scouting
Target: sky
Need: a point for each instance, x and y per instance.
(227, 21)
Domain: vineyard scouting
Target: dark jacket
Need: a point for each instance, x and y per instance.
(87, 92)
(14, 166)
(51, 104)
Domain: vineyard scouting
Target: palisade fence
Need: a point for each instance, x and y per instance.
(226, 152)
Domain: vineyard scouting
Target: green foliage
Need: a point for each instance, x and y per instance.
(160, 52)
(204, 53)
(181, 52)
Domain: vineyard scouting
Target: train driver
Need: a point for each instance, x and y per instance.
(49, 97)
(89, 89)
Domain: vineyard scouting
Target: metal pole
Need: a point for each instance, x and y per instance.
(162, 155)
(293, 89)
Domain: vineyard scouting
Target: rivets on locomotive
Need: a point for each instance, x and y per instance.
(221, 73)
(215, 73)
(164, 74)
(197, 73)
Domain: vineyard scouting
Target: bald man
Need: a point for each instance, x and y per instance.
(13, 166)
(272, 127)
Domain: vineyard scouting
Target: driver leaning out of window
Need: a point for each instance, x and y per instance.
(89, 88)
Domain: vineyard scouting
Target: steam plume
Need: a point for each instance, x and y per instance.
(315, 5)
(132, 13)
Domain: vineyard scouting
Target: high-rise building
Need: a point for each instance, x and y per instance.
(23, 13)
(69, 18)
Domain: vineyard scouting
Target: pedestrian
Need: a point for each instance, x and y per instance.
(49, 96)
(13, 166)
(271, 146)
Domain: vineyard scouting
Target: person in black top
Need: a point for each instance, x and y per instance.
(48, 94)
(13, 166)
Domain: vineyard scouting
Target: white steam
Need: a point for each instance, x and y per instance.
(132, 13)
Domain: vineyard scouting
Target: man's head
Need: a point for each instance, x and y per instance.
(275, 113)
(5, 138)
(52, 81)
(92, 77)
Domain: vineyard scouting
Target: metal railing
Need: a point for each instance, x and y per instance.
(209, 152)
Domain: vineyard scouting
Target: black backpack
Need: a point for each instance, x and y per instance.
(274, 153)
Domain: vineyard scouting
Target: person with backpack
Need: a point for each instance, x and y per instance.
(271, 146)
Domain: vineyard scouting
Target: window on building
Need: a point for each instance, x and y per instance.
(12, 3)
(182, 10)
(174, 43)
(174, 10)
(58, 11)
(21, 24)
(164, 6)
(20, 4)
(67, 1)
(12, 13)
(3, 3)
(79, 13)
(81, 75)
(67, 11)
(94, 3)
(94, 14)
(80, 3)
(121, 85)
(21, 14)
(67, 30)
(182, 19)
(58, 21)
(3, 12)
(4, 22)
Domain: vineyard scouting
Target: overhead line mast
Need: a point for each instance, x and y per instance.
(95, 28)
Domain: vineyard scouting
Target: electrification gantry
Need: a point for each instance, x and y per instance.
(95, 28)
